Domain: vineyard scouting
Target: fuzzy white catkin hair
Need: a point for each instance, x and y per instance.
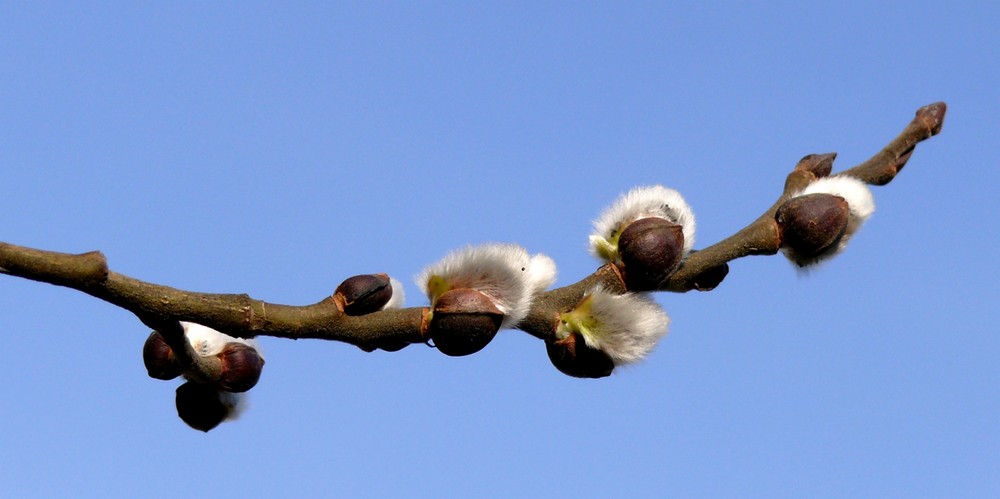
(644, 202)
(398, 295)
(627, 326)
(860, 204)
(235, 402)
(505, 273)
(207, 341)
(541, 273)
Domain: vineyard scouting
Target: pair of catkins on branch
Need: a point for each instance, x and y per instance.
(607, 319)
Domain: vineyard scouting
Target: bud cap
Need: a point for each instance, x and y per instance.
(363, 294)
(572, 357)
(860, 204)
(159, 358)
(642, 202)
(204, 407)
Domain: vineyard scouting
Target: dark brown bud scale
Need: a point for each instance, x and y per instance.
(363, 294)
(709, 279)
(932, 117)
(464, 321)
(159, 358)
(812, 224)
(392, 346)
(241, 367)
(573, 357)
(386, 345)
(200, 406)
(650, 249)
(820, 165)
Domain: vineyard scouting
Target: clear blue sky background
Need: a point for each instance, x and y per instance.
(276, 149)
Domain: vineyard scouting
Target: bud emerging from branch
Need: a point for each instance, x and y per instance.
(573, 357)
(463, 322)
(505, 273)
(364, 294)
(710, 277)
(240, 359)
(817, 223)
(646, 233)
(651, 249)
(204, 407)
(623, 328)
(159, 358)
(241, 367)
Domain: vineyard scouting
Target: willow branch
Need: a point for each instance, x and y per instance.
(161, 307)
(706, 268)
(234, 314)
(761, 237)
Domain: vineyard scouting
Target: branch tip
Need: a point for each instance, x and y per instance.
(931, 116)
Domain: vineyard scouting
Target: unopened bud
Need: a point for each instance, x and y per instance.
(812, 224)
(820, 165)
(392, 346)
(650, 249)
(363, 294)
(241, 367)
(572, 357)
(200, 406)
(463, 322)
(159, 358)
(386, 345)
(710, 278)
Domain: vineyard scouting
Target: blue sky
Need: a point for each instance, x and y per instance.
(276, 149)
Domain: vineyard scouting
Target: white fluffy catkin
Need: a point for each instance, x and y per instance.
(644, 202)
(207, 341)
(398, 295)
(505, 273)
(860, 204)
(625, 327)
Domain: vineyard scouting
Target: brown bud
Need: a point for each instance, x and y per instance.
(710, 278)
(651, 249)
(363, 294)
(392, 346)
(200, 406)
(573, 357)
(932, 117)
(387, 345)
(820, 165)
(812, 224)
(241, 367)
(464, 321)
(159, 358)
